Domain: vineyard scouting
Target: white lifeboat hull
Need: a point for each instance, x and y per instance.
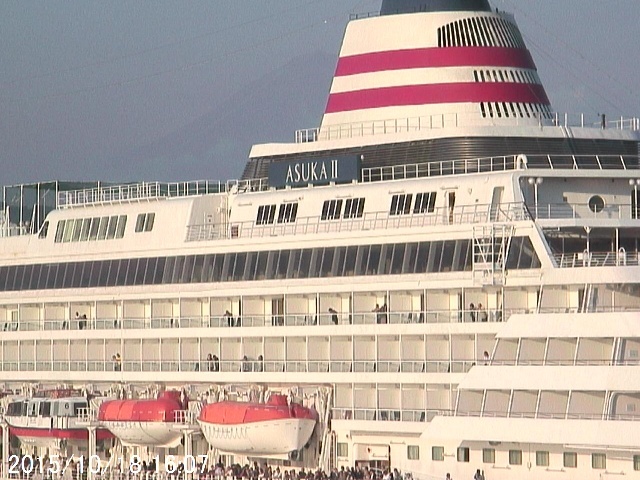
(148, 434)
(268, 437)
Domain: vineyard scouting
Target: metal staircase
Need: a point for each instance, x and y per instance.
(490, 251)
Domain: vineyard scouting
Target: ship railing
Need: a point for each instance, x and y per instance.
(582, 211)
(385, 414)
(252, 365)
(581, 162)
(455, 120)
(137, 192)
(564, 362)
(597, 259)
(358, 16)
(86, 415)
(446, 167)
(395, 317)
(545, 415)
(465, 214)
(184, 417)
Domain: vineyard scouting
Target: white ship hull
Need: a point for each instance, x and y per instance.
(271, 437)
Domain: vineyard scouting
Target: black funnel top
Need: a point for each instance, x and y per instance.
(393, 7)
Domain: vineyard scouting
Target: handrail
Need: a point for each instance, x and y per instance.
(464, 214)
(455, 120)
(301, 320)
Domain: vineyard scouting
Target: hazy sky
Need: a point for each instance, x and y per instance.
(128, 90)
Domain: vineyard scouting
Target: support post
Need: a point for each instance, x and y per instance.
(6, 444)
(92, 452)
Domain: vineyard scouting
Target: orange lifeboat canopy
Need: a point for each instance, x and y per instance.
(161, 409)
(235, 413)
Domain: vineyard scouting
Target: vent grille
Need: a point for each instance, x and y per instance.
(480, 32)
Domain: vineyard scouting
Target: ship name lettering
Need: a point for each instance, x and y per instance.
(312, 172)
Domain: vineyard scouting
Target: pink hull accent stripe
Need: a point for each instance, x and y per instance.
(70, 434)
(434, 58)
(436, 94)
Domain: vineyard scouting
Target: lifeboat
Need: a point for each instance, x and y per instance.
(271, 428)
(146, 422)
(50, 422)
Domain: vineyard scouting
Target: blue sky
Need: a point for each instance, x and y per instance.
(128, 90)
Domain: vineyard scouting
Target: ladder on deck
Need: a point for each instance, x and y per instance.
(491, 245)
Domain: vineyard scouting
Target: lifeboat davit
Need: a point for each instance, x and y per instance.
(145, 422)
(271, 428)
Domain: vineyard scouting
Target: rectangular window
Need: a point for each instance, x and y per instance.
(93, 230)
(140, 222)
(515, 457)
(68, 231)
(354, 208)
(400, 204)
(86, 225)
(437, 454)
(570, 459)
(413, 452)
(122, 224)
(77, 230)
(425, 203)
(598, 461)
(636, 463)
(266, 214)
(463, 454)
(342, 449)
(488, 455)
(149, 222)
(102, 230)
(331, 209)
(288, 212)
(542, 459)
(59, 231)
(111, 230)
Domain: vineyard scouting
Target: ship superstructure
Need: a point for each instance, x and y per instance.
(446, 270)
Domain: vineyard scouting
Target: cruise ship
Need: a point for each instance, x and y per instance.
(443, 277)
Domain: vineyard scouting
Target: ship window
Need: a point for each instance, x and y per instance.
(636, 463)
(77, 229)
(44, 230)
(570, 459)
(68, 231)
(93, 229)
(542, 459)
(515, 457)
(488, 455)
(400, 204)
(484, 112)
(122, 224)
(111, 230)
(288, 212)
(413, 452)
(59, 231)
(342, 449)
(140, 222)
(266, 214)
(84, 233)
(463, 454)
(102, 228)
(596, 204)
(354, 208)
(331, 209)
(598, 461)
(437, 454)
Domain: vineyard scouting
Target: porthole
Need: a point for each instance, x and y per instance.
(596, 204)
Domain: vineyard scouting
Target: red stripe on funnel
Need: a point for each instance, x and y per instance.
(434, 58)
(435, 94)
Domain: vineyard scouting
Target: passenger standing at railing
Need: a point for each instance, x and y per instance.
(210, 363)
(229, 318)
(482, 313)
(472, 312)
(334, 316)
